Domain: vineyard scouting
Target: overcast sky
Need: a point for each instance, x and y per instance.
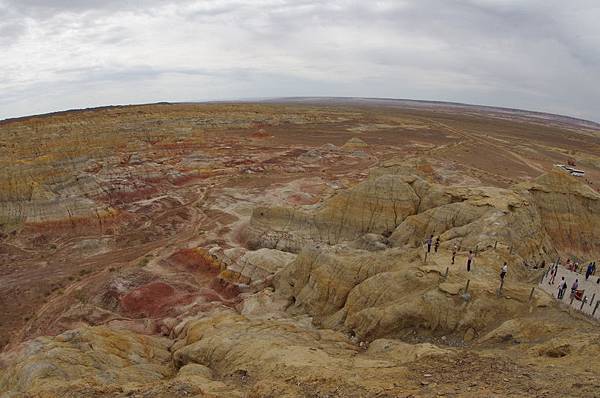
(532, 54)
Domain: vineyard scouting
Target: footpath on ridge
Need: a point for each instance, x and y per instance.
(591, 290)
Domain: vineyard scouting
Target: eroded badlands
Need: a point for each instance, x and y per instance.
(277, 250)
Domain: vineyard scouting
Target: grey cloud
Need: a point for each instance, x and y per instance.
(537, 54)
(46, 8)
(10, 31)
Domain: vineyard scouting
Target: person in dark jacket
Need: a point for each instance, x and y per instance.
(469, 260)
(562, 287)
(588, 271)
(454, 251)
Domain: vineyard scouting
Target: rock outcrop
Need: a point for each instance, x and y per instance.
(84, 362)
(355, 143)
(377, 205)
(254, 267)
(386, 294)
(409, 209)
(483, 218)
(570, 211)
(285, 359)
(382, 292)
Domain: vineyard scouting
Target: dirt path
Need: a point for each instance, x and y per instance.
(591, 287)
(126, 258)
(472, 137)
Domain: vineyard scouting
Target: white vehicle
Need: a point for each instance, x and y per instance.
(571, 170)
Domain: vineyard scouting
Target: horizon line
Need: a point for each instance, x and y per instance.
(303, 98)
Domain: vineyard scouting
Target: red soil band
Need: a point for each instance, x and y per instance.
(156, 299)
(194, 260)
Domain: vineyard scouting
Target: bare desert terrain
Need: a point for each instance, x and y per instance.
(276, 249)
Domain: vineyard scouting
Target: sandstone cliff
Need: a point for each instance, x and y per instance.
(570, 211)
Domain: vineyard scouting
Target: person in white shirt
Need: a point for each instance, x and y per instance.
(503, 271)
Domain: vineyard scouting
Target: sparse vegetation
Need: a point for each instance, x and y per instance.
(144, 261)
(80, 296)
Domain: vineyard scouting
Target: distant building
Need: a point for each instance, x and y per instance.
(571, 170)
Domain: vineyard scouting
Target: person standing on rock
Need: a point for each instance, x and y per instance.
(454, 251)
(469, 260)
(437, 244)
(429, 242)
(562, 287)
(503, 272)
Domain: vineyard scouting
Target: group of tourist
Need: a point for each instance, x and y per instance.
(562, 285)
(435, 243)
(573, 266)
(430, 242)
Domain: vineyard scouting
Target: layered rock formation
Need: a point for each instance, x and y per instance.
(386, 294)
(85, 362)
(241, 250)
(569, 209)
(383, 293)
(409, 209)
(377, 205)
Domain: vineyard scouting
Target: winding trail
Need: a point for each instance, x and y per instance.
(473, 137)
